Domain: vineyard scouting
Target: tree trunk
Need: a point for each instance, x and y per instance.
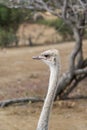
(75, 62)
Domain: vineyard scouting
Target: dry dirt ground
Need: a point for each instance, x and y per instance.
(20, 76)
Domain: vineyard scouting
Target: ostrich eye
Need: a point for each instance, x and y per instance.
(46, 55)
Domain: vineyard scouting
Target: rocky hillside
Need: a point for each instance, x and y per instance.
(37, 34)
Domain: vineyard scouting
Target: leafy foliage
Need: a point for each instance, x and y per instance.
(7, 38)
(4, 15)
(10, 19)
(58, 24)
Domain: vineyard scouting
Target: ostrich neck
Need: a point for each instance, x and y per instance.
(44, 117)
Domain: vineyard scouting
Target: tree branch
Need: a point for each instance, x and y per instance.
(20, 100)
(76, 49)
(47, 8)
(84, 63)
(64, 9)
(80, 71)
(82, 4)
(64, 81)
(73, 86)
(79, 59)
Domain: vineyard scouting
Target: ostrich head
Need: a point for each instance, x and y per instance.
(50, 57)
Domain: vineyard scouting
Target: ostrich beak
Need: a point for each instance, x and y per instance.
(38, 57)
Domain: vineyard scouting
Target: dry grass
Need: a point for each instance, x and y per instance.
(21, 76)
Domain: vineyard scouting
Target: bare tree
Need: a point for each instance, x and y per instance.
(74, 14)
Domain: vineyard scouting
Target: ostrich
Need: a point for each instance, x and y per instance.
(51, 58)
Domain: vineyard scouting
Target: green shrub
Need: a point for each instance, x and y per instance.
(11, 16)
(4, 15)
(19, 15)
(10, 19)
(3, 38)
(59, 25)
(6, 38)
(11, 37)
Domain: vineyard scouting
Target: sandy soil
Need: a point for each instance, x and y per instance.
(20, 76)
